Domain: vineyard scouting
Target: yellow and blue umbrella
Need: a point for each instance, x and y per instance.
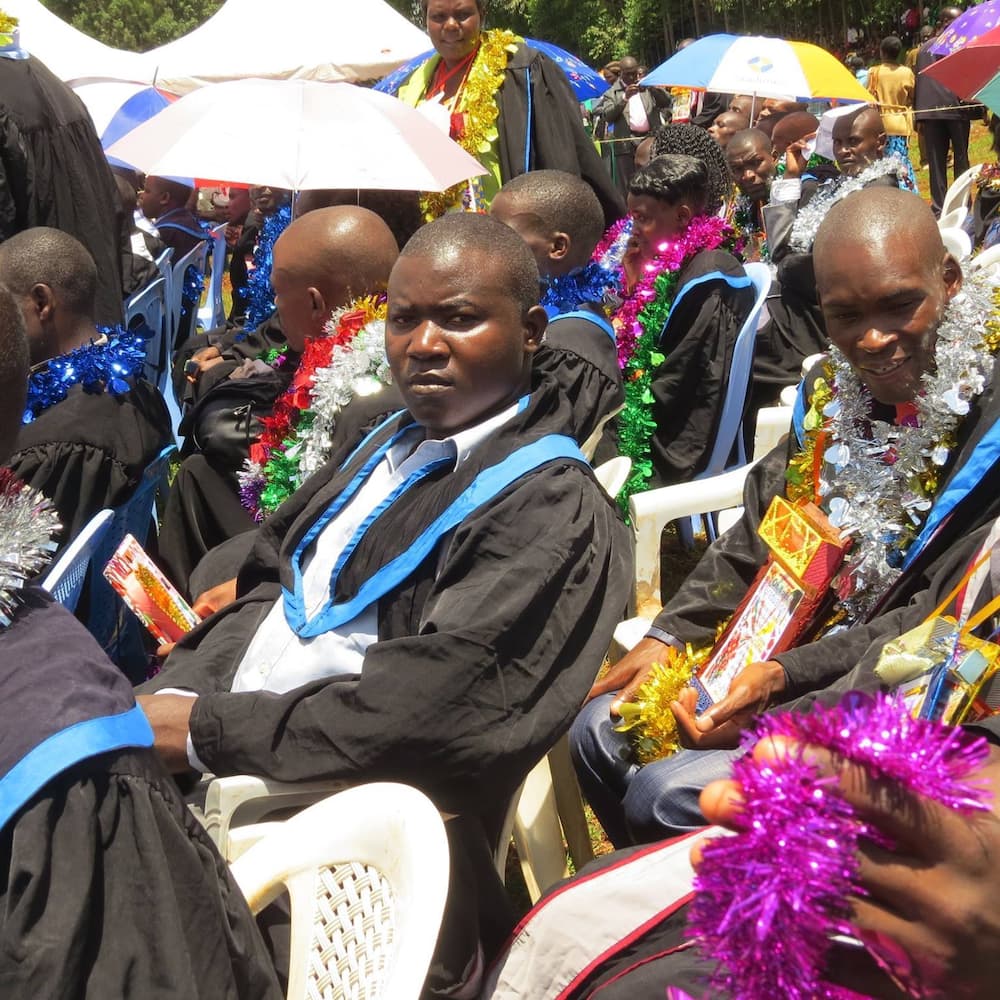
(760, 66)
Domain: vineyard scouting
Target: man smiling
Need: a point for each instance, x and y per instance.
(912, 356)
(443, 648)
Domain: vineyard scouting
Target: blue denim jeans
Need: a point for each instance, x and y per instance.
(639, 805)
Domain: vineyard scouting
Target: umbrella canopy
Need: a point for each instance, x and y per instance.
(971, 70)
(586, 82)
(974, 23)
(314, 135)
(763, 67)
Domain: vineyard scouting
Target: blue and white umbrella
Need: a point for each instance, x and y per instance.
(586, 82)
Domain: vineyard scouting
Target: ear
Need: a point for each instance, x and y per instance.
(317, 304)
(883, 141)
(559, 246)
(535, 321)
(44, 301)
(684, 213)
(952, 274)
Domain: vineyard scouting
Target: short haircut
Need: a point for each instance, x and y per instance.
(755, 137)
(674, 178)
(690, 140)
(891, 47)
(13, 370)
(453, 236)
(44, 256)
(562, 201)
(399, 210)
(179, 193)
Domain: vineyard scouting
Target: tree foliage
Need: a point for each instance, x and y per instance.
(137, 25)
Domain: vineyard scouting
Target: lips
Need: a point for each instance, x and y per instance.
(884, 370)
(427, 383)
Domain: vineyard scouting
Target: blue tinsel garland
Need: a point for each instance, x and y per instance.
(97, 367)
(566, 293)
(259, 297)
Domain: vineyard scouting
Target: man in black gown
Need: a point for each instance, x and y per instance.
(460, 633)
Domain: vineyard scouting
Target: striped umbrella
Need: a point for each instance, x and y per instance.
(760, 66)
(973, 72)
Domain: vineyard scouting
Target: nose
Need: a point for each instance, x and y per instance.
(426, 341)
(876, 341)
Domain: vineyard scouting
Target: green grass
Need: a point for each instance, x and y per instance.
(980, 151)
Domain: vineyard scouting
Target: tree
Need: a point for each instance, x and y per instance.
(137, 25)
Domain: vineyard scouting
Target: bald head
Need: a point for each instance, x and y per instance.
(858, 140)
(884, 279)
(13, 371)
(325, 259)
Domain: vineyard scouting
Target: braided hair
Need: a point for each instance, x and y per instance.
(690, 140)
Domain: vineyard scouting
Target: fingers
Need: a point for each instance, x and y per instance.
(721, 802)
(628, 692)
(630, 672)
(165, 650)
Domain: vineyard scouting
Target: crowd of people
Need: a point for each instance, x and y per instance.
(384, 513)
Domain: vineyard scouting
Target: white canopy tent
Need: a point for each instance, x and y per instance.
(70, 54)
(304, 39)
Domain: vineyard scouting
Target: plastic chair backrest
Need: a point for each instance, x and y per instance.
(165, 265)
(196, 257)
(150, 307)
(367, 875)
(957, 196)
(957, 242)
(115, 627)
(730, 430)
(954, 219)
(987, 258)
(213, 313)
(65, 578)
(613, 474)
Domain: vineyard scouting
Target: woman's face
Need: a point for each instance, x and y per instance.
(454, 27)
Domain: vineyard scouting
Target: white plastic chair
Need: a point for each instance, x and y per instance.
(773, 423)
(613, 474)
(65, 578)
(954, 219)
(957, 242)
(989, 258)
(957, 195)
(366, 872)
(150, 307)
(213, 312)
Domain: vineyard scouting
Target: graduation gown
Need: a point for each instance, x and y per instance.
(484, 652)
(108, 886)
(53, 172)
(969, 497)
(89, 451)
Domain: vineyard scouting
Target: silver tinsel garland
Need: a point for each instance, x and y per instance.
(811, 215)
(27, 524)
(871, 480)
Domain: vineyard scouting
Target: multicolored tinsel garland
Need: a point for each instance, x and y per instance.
(104, 364)
(638, 325)
(769, 899)
(987, 181)
(567, 292)
(878, 481)
(257, 291)
(477, 109)
(27, 523)
(296, 438)
(749, 229)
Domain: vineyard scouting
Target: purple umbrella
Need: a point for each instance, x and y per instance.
(974, 22)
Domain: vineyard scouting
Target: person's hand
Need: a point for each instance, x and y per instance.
(631, 90)
(722, 724)
(205, 604)
(796, 160)
(629, 673)
(170, 717)
(931, 912)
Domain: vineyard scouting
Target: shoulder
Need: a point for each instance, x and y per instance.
(713, 265)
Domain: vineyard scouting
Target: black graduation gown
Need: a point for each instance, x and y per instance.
(553, 134)
(53, 172)
(89, 451)
(712, 591)
(108, 886)
(484, 652)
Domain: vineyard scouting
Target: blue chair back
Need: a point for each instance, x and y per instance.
(196, 258)
(149, 309)
(213, 313)
(110, 622)
(65, 578)
(730, 432)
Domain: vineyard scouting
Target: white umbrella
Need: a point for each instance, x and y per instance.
(299, 135)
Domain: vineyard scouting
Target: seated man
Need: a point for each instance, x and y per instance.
(92, 422)
(686, 298)
(165, 203)
(323, 262)
(886, 285)
(108, 887)
(559, 217)
(726, 125)
(449, 647)
(748, 156)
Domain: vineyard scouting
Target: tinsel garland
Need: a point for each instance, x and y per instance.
(987, 181)
(477, 107)
(610, 252)
(877, 481)
(811, 216)
(7, 23)
(27, 523)
(638, 326)
(296, 438)
(257, 291)
(769, 899)
(105, 364)
(194, 285)
(567, 292)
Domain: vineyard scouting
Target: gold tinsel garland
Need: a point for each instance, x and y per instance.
(477, 103)
(7, 24)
